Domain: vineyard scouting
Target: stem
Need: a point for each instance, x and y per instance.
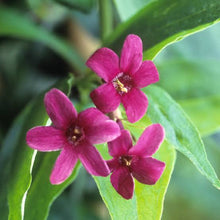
(106, 20)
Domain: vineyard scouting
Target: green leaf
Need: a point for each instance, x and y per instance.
(132, 7)
(185, 79)
(42, 193)
(118, 207)
(150, 198)
(204, 112)
(18, 158)
(82, 5)
(201, 46)
(13, 24)
(198, 81)
(136, 129)
(147, 202)
(166, 21)
(6, 157)
(180, 131)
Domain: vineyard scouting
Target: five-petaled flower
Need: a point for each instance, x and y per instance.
(123, 78)
(74, 135)
(136, 161)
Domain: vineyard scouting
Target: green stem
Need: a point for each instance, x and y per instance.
(106, 18)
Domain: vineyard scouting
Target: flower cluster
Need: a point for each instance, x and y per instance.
(124, 77)
(135, 161)
(76, 134)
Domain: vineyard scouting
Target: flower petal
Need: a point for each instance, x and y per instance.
(103, 132)
(149, 141)
(59, 108)
(123, 182)
(98, 128)
(135, 103)
(147, 170)
(132, 54)
(146, 75)
(103, 100)
(121, 145)
(90, 117)
(44, 138)
(92, 160)
(64, 165)
(113, 164)
(105, 63)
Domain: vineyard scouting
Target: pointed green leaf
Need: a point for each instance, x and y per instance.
(180, 131)
(118, 207)
(6, 158)
(13, 24)
(42, 193)
(166, 21)
(132, 7)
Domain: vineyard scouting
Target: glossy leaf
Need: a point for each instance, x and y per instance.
(13, 24)
(132, 7)
(42, 193)
(147, 202)
(6, 158)
(118, 207)
(201, 46)
(150, 199)
(163, 22)
(18, 158)
(180, 131)
(204, 112)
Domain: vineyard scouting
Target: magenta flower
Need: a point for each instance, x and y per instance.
(74, 135)
(129, 162)
(123, 78)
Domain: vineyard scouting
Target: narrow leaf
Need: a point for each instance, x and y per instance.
(179, 130)
(163, 22)
(132, 7)
(118, 207)
(42, 193)
(6, 158)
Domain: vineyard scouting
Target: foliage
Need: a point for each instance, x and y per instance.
(38, 51)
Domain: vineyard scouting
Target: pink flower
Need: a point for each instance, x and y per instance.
(74, 135)
(123, 78)
(129, 162)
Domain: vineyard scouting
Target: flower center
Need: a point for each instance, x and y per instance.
(120, 86)
(75, 134)
(122, 83)
(125, 160)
